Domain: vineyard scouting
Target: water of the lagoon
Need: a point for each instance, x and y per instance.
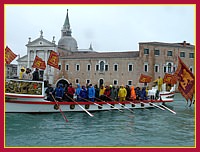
(144, 127)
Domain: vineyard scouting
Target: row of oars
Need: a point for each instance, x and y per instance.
(64, 117)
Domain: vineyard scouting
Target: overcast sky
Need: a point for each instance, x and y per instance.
(107, 27)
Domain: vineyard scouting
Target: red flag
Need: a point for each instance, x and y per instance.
(39, 63)
(170, 79)
(9, 55)
(186, 80)
(145, 79)
(53, 59)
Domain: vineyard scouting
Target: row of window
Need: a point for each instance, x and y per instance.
(99, 67)
(169, 53)
(115, 81)
(169, 68)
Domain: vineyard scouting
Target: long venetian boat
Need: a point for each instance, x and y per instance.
(29, 97)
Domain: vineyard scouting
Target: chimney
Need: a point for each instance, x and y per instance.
(184, 43)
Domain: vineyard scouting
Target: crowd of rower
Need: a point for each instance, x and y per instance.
(93, 93)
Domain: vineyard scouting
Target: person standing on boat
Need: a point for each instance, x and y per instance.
(122, 93)
(59, 92)
(107, 94)
(101, 92)
(77, 92)
(91, 93)
(27, 75)
(128, 92)
(159, 82)
(138, 93)
(113, 92)
(70, 92)
(83, 93)
(133, 95)
(96, 92)
(22, 70)
(49, 92)
(143, 95)
(36, 75)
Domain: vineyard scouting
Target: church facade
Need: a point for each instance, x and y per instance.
(109, 68)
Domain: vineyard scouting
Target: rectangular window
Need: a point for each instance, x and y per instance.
(77, 67)
(59, 67)
(156, 52)
(164, 69)
(169, 53)
(129, 82)
(191, 55)
(130, 67)
(77, 81)
(106, 67)
(87, 81)
(146, 68)
(146, 51)
(182, 54)
(67, 67)
(88, 67)
(156, 68)
(115, 67)
(115, 82)
(97, 67)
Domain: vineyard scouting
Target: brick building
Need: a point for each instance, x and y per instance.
(109, 68)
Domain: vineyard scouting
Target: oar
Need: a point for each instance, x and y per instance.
(122, 105)
(110, 105)
(60, 109)
(81, 106)
(156, 106)
(168, 109)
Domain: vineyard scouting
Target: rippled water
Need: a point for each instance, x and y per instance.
(144, 127)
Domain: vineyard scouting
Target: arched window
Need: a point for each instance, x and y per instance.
(169, 68)
(101, 66)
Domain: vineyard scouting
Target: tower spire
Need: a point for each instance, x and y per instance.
(66, 23)
(66, 31)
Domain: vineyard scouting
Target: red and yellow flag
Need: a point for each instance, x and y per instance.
(170, 79)
(9, 55)
(186, 80)
(39, 63)
(145, 78)
(53, 59)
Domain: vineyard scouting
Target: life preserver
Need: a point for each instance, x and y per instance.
(133, 105)
(56, 106)
(72, 106)
(87, 106)
(100, 106)
(142, 104)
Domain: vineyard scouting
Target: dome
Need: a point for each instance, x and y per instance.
(68, 43)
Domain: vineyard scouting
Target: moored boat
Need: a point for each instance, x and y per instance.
(29, 97)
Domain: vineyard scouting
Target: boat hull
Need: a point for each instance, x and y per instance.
(47, 106)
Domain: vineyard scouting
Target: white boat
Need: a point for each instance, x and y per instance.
(29, 97)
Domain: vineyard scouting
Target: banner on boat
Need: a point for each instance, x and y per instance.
(9, 55)
(186, 80)
(53, 59)
(170, 79)
(39, 63)
(145, 78)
